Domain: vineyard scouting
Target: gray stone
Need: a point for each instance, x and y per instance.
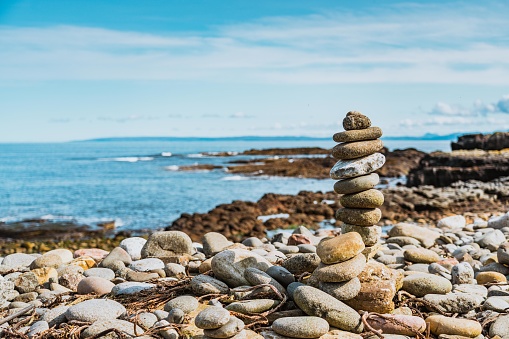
(301, 263)
(95, 309)
(133, 246)
(100, 272)
(453, 302)
(497, 304)
(301, 327)
(500, 327)
(252, 306)
(252, 242)
(175, 270)
(37, 327)
(118, 254)
(229, 265)
(357, 184)
(147, 265)
(147, 319)
(214, 243)
(256, 277)
(370, 234)
(462, 273)
(204, 284)
(497, 222)
(47, 260)
(281, 274)
(97, 285)
(176, 316)
(169, 333)
(99, 326)
(342, 271)
(131, 287)
(420, 284)
(503, 253)
(344, 290)
(18, 260)
(186, 303)
(471, 289)
(306, 248)
(403, 241)
(292, 287)
(231, 329)
(55, 316)
(289, 249)
(26, 282)
(425, 235)
(318, 303)
(344, 169)
(492, 240)
(212, 318)
(452, 222)
(167, 244)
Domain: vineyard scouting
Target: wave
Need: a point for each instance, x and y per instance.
(166, 154)
(127, 159)
(172, 168)
(235, 178)
(195, 155)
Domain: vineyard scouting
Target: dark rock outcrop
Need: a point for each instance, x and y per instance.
(495, 141)
(442, 169)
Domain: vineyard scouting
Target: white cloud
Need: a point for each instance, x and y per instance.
(399, 44)
(241, 115)
(443, 108)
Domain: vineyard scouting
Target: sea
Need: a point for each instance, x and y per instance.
(137, 184)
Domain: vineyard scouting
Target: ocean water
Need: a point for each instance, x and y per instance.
(136, 183)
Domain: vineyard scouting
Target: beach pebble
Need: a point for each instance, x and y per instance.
(356, 121)
(96, 254)
(37, 327)
(357, 184)
(425, 235)
(344, 169)
(497, 222)
(232, 328)
(370, 235)
(500, 327)
(299, 239)
(18, 260)
(301, 327)
(252, 242)
(105, 324)
(462, 273)
(421, 255)
(45, 275)
(281, 274)
(95, 309)
(96, 285)
(252, 306)
(100, 272)
(133, 246)
(497, 304)
(318, 303)
(371, 198)
(47, 260)
(130, 287)
(406, 324)
(167, 244)
(26, 282)
(359, 216)
(175, 270)
(214, 242)
(307, 248)
(116, 259)
(301, 263)
(343, 290)
(169, 333)
(369, 133)
(342, 271)
(491, 240)
(186, 303)
(176, 316)
(256, 277)
(212, 318)
(454, 302)
(503, 253)
(452, 222)
(146, 265)
(340, 248)
(229, 265)
(356, 149)
(55, 316)
(490, 277)
(440, 324)
(204, 284)
(420, 284)
(146, 319)
(65, 255)
(289, 249)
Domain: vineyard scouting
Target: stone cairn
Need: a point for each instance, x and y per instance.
(343, 258)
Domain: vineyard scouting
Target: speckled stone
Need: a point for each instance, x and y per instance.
(231, 329)
(370, 235)
(318, 303)
(103, 325)
(369, 133)
(186, 303)
(212, 317)
(95, 309)
(204, 284)
(301, 327)
(301, 263)
(421, 255)
(343, 290)
(356, 120)
(344, 169)
(357, 184)
(342, 271)
(371, 198)
(420, 284)
(340, 248)
(359, 216)
(440, 324)
(356, 149)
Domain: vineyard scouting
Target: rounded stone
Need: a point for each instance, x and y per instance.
(95, 309)
(97, 327)
(344, 169)
(342, 271)
(148, 264)
(490, 277)
(133, 246)
(369, 133)
(318, 303)
(405, 325)
(357, 184)
(252, 306)
(214, 242)
(186, 303)
(212, 318)
(301, 263)
(47, 260)
(500, 327)
(281, 274)
(370, 234)
(229, 265)
(301, 327)
(175, 270)
(37, 327)
(344, 290)
(167, 244)
(231, 329)
(340, 248)
(131, 287)
(176, 316)
(356, 120)
(18, 260)
(462, 273)
(421, 255)
(371, 198)
(204, 284)
(420, 284)
(55, 316)
(440, 324)
(96, 285)
(356, 149)
(359, 216)
(117, 258)
(100, 272)
(257, 277)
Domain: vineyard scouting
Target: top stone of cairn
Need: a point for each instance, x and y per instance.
(356, 120)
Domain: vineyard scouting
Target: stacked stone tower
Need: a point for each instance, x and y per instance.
(358, 159)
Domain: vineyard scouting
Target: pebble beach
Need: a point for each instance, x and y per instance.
(410, 280)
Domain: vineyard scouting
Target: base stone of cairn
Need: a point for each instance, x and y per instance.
(345, 271)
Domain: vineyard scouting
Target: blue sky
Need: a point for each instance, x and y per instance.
(72, 70)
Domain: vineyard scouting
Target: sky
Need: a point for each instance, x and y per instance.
(82, 69)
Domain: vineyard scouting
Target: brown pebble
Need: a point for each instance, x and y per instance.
(342, 271)
(356, 120)
(366, 199)
(370, 133)
(359, 216)
(357, 149)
